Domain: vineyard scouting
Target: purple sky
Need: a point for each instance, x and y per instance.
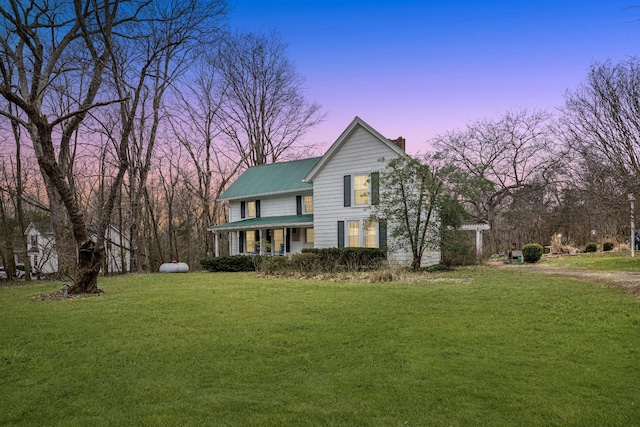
(419, 68)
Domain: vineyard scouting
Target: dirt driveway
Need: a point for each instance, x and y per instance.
(628, 281)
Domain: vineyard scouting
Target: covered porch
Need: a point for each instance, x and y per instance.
(280, 235)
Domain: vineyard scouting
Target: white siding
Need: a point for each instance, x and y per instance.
(282, 205)
(114, 252)
(46, 257)
(358, 155)
(270, 206)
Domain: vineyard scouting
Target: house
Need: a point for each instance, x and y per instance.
(319, 202)
(41, 248)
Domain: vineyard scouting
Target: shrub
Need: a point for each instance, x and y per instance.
(591, 247)
(273, 264)
(607, 246)
(304, 262)
(233, 263)
(532, 252)
(350, 259)
(457, 249)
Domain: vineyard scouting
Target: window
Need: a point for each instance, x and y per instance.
(361, 190)
(250, 241)
(34, 240)
(251, 209)
(308, 235)
(370, 234)
(354, 233)
(308, 204)
(278, 240)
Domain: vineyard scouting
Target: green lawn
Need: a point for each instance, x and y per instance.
(598, 261)
(475, 347)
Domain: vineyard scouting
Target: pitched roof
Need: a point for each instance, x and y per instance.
(266, 222)
(42, 228)
(357, 122)
(274, 178)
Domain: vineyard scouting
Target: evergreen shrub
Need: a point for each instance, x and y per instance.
(532, 252)
(234, 263)
(591, 247)
(607, 246)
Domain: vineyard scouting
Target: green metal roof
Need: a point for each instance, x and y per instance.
(267, 222)
(273, 178)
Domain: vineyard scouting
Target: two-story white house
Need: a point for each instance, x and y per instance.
(41, 249)
(319, 202)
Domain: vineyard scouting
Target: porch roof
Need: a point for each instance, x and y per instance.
(266, 222)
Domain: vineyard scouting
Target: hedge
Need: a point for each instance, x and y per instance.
(349, 259)
(232, 263)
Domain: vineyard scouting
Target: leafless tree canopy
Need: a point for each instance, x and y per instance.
(510, 160)
(264, 110)
(53, 64)
(602, 119)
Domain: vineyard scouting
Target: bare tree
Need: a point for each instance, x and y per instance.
(53, 64)
(17, 137)
(515, 156)
(146, 66)
(43, 49)
(602, 120)
(196, 125)
(264, 111)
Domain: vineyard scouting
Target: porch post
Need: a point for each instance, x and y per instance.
(215, 238)
(284, 242)
(260, 241)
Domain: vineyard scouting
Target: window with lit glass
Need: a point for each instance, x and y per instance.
(278, 239)
(251, 209)
(361, 190)
(249, 241)
(308, 204)
(370, 234)
(354, 233)
(308, 235)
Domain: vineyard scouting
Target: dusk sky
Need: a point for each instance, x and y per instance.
(419, 68)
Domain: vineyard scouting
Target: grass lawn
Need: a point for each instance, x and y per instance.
(598, 261)
(475, 347)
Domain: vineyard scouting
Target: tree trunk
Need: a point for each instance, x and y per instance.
(65, 246)
(19, 190)
(90, 259)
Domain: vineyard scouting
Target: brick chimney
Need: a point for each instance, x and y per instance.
(400, 142)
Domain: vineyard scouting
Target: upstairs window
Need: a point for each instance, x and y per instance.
(251, 209)
(361, 190)
(308, 204)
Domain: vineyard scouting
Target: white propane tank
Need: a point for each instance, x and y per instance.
(174, 267)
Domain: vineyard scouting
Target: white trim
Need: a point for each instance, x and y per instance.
(272, 193)
(357, 122)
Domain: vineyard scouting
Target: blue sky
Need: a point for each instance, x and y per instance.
(420, 68)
